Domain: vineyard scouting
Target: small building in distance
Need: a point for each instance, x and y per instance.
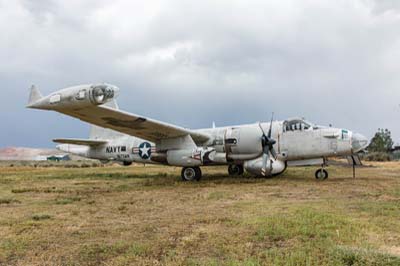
(40, 158)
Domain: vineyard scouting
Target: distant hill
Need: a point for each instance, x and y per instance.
(25, 154)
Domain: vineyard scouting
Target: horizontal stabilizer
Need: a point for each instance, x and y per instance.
(84, 142)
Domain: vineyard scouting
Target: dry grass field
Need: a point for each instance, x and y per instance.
(147, 216)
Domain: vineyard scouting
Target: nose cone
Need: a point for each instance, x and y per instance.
(358, 142)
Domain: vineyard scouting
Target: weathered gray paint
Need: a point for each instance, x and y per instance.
(118, 135)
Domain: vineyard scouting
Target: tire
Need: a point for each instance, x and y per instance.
(321, 174)
(235, 170)
(191, 174)
(198, 173)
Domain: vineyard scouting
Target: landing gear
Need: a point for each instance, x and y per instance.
(235, 170)
(321, 174)
(191, 174)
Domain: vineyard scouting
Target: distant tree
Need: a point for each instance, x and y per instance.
(381, 142)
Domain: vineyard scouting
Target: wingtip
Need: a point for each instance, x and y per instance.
(34, 97)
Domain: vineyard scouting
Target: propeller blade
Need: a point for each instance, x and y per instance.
(262, 130)
(273, 153)
(270, 126)
(265, 161)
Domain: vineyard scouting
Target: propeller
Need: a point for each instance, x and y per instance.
(267, 143)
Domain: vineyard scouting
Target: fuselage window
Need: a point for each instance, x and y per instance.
(296, 126)
(55, 98)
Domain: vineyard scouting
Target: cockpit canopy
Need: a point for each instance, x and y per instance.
(297, 124)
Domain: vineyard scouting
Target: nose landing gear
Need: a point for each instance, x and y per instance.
(321, 174)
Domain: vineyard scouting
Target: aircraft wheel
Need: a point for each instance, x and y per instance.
(191, 174)
(235, 170)
(321, 174)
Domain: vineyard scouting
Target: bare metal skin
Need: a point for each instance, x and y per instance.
(262, 148)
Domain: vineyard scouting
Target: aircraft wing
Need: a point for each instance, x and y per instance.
(86, 142)
(131, 124)
(91, 103)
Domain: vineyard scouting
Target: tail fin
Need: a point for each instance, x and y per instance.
(34, 96)
(100, 133)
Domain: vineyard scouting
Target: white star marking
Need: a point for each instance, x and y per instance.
(145, 151)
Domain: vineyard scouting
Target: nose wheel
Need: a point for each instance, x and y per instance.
(321, 174)
(191, 174)
(235, 170)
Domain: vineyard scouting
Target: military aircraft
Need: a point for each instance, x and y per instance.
(262, 149)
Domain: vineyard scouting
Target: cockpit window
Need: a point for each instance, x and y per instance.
(297, 125)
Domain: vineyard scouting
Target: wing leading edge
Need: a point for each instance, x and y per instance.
(131, 124)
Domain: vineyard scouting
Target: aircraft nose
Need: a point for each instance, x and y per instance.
(358, 142)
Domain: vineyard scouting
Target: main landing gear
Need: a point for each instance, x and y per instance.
(191, 174)
(321, 174)
(235, 170)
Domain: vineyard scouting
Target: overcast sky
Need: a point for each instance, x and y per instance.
(193, 62)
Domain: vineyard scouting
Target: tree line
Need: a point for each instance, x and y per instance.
(381, 146)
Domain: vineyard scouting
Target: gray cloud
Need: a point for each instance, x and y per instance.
(383, 6)
(192, 62)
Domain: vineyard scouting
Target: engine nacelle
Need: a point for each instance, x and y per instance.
(82, 96)
(255, 166)
(243, 143)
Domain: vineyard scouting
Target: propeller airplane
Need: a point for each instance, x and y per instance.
(262, 149)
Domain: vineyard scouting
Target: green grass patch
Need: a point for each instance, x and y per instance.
(379, 209)
(101, 250)
(23, 190)
(306, 225)
(97, 254)
(217, 195)
(38, 190)
(138, 249)
(12, 249)
(358, 257)
(8, 201)
(41, 217)
(69, 200)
